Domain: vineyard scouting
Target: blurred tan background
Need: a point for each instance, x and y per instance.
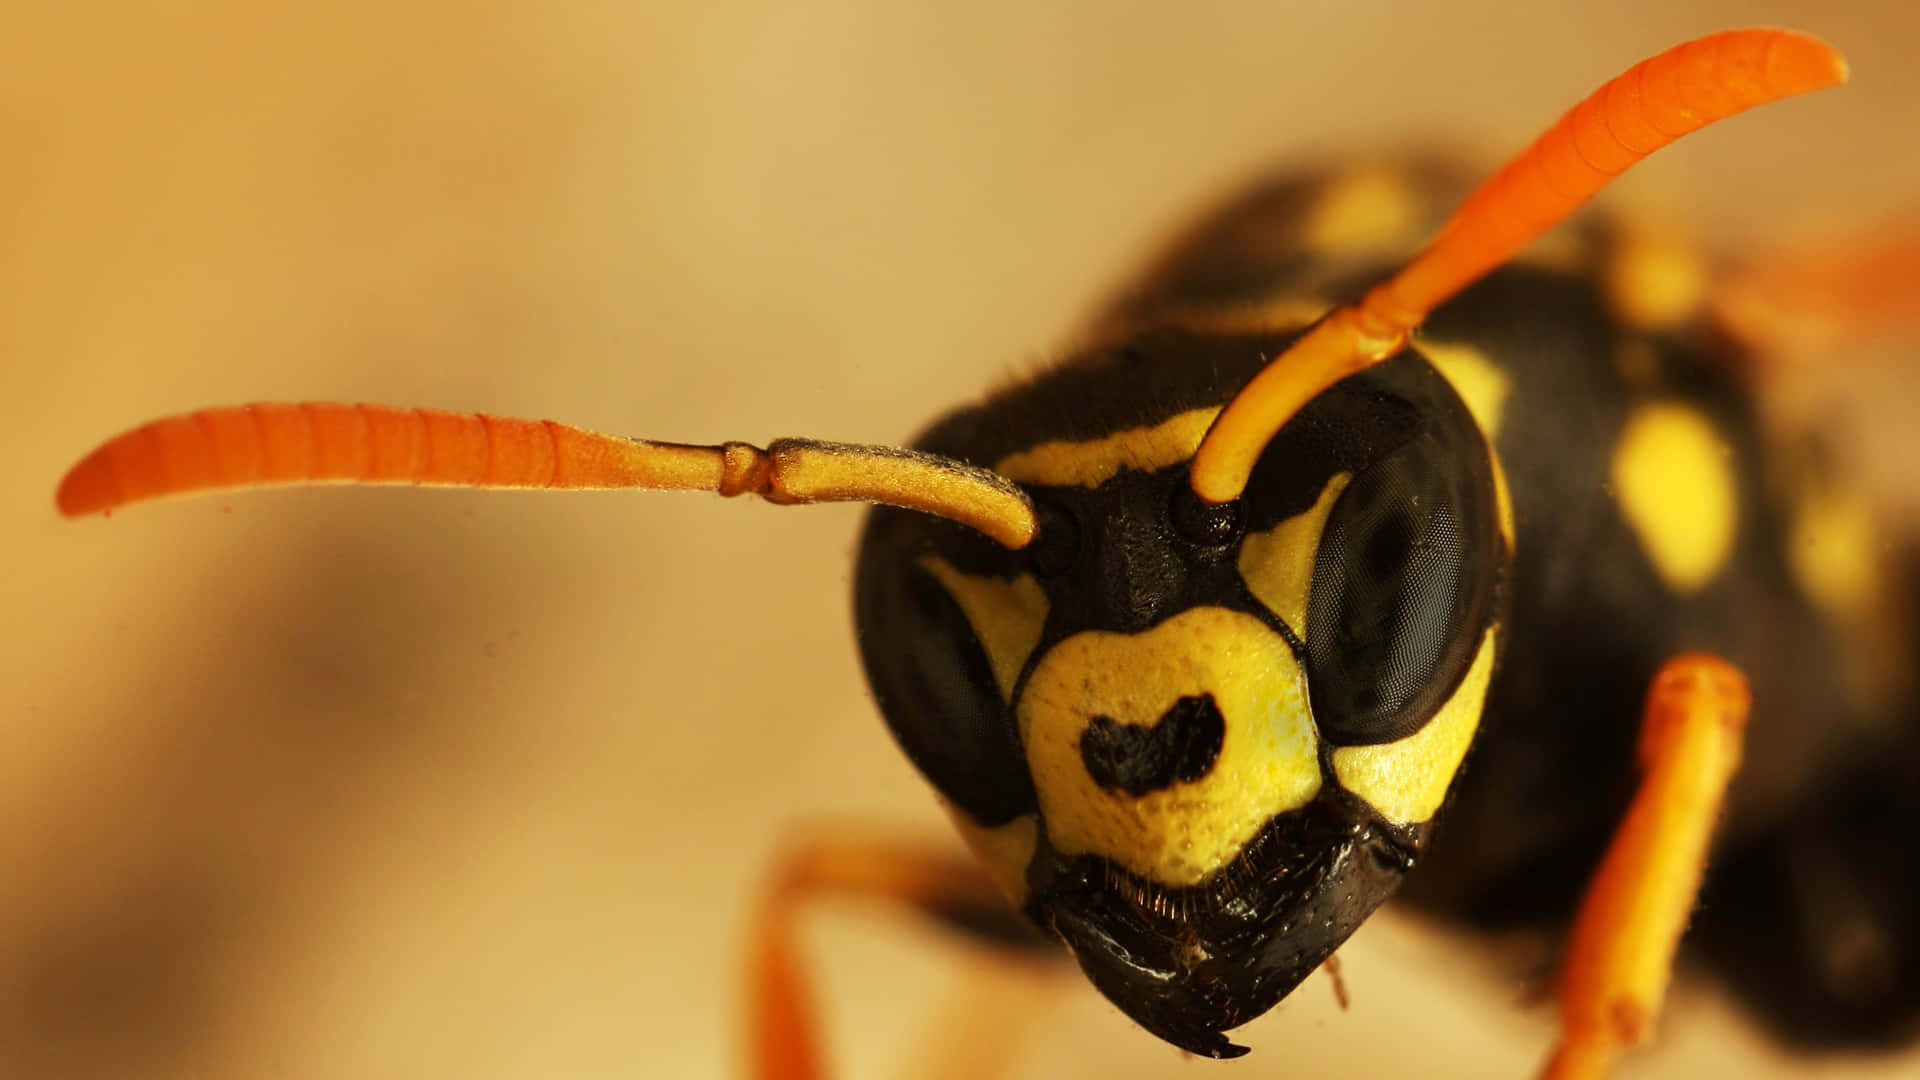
(391, 784)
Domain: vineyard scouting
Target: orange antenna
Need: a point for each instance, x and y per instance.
(313, 443)
(1655, 102)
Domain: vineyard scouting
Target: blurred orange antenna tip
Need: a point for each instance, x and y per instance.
(88, 487)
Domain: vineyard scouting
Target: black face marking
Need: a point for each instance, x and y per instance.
(1180, 747)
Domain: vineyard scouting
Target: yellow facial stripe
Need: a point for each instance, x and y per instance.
(1655, 280)
(1006, 616)
(1005, 850)
(1502, 499)
(1477, 379)
(1277, 564)
(1092, 463)
(1673, 477)
(1407, 780)
(1363, 213)
(1179, 836)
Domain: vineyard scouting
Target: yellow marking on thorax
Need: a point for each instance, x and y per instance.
(1089, 464)
(1179, 836)
(1484, 387)
(1005, 850)
(1654, 280)
(1407, 780)
(1367, 212)
(1237, 317)
(1277, 564)
(1006, 616)
(1673, 476)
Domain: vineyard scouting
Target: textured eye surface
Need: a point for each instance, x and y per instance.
(933, 678)
(1395, 605)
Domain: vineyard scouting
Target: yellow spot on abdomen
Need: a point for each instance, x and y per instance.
(1836, 554)
(1268, 761)
(1673, 476)
(1408, 780)
(1006, 616)
(1089, 464)
(1277, 564)
(1831, 547)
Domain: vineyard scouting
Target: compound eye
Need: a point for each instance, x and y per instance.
(935, 679)
(1396, 605)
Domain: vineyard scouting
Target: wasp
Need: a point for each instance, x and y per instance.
(1315, 574)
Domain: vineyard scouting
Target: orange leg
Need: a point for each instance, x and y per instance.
(1819, 302)
(950, 888)
(1629, 925)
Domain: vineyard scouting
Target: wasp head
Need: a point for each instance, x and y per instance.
(1198, 743)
